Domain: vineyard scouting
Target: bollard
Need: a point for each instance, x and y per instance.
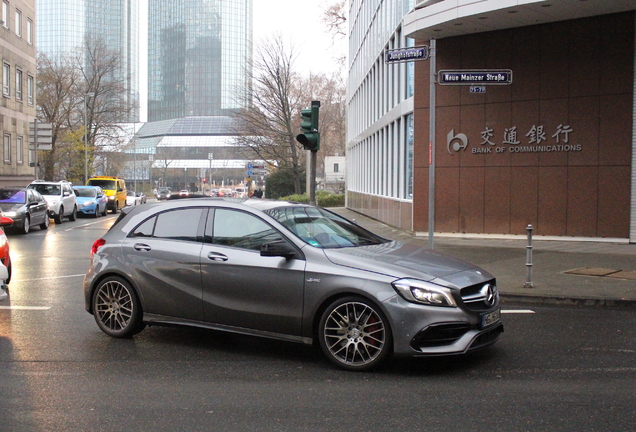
(528, 283)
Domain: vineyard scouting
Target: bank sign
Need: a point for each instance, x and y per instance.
(510, 140)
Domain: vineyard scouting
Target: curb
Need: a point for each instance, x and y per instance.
(569, 301)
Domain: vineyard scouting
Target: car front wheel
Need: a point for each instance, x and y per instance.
(59, 218)
(73, 216)
(116, 308)
(354, 334)
(26, 227)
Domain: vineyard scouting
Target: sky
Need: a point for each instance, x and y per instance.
(297, 21)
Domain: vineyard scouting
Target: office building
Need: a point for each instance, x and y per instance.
(552, 145)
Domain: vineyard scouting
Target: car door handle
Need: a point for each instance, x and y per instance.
(215, 256)
(142, 247)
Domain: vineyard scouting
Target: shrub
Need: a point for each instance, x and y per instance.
(323, 199)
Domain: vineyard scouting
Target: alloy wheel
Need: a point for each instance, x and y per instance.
(354, 335)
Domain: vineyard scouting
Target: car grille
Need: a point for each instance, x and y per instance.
(487, 338)
(480, 297)
(439, 335)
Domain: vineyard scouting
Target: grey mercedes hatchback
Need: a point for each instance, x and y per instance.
(287, 271)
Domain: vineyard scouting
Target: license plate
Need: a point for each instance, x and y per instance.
(490, 318)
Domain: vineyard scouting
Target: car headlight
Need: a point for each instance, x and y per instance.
(89, 203)
(112, 198)
(11, 214)
(418, 291)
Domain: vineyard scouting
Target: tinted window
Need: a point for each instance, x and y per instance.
(104, 184)
(182, 224)
(85, 193)
(13, 196)
(242, 230)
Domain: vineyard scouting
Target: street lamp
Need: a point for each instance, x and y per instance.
(87, 96)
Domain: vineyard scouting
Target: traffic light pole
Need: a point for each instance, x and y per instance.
(312, 177)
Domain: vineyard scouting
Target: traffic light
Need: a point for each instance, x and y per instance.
(310, 137)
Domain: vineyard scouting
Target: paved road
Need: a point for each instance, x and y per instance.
(555, 369)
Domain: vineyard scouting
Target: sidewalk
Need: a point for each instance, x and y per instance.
(584, 273)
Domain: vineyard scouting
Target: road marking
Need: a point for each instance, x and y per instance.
(26, 307)
(517, 311)
(49, 278)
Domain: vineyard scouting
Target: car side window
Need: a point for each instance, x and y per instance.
(181, 224)
(242, 230)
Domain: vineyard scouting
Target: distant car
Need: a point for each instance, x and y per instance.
(163, 193)
(132, 199)
(142, 197)
(287, 271)
(26, 206)
(184, 193)
(61, 199)
(91, 200)
(240, 192)
(5, 257)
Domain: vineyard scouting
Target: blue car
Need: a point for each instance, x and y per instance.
(91, 200)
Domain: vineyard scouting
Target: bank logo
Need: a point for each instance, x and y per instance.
(455, 143)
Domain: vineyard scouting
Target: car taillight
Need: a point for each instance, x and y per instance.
(98, 243)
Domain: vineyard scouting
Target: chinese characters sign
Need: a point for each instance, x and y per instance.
(534, 140)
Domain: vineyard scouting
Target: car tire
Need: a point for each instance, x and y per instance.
(26, 226)
(8, 271)
(105, 212)
(117, 308)
(47, 221)
(354, 334)
(59, 218)
(73, 216)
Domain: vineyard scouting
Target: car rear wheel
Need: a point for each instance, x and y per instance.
(116, 308)
(354, 334)
(47, 221)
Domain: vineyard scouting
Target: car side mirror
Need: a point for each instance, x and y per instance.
(279, 248)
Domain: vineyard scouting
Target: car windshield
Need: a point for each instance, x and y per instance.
(45, 189)
(323, 229)
(12, 196)
(85, 193)
(104, 184)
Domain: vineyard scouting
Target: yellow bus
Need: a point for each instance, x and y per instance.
(114, 188)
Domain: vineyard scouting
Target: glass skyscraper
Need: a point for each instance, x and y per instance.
(63, 24)
(199, 52)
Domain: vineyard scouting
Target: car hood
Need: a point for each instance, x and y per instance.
(10, 206)
(402, 260)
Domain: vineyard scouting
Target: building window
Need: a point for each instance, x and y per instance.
(29, 30)
(5, 14)
(336, 168)
(18, 84)
(30, 89)
(6, 80)
(7, 148)
(20, 151)
(18, 23)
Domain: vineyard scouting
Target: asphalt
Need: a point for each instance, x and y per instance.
(577, 272)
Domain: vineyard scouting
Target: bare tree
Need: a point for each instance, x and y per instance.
(55, 87)
(334, 17)
(268, 126)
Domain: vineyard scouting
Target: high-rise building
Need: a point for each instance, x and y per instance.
(198, 56)
(64, 25)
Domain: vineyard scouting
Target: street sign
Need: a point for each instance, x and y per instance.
(250, 165)
(407, 54)
(42, 134)
(475, 77)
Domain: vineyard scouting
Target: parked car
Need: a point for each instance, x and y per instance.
(26, 206)
(114, 188)
(240, 192)
(163, 193)
(61, 199)
(4, 275)
(91, 200)
(184, 193)
(289, 271)
(5, 257)
(132, 199)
